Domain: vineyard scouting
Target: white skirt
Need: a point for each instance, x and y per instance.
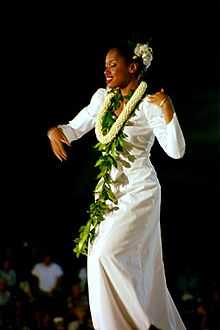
(126, 278)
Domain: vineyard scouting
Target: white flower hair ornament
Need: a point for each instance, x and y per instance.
(145, 52)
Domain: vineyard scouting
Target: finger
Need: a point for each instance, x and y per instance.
(149, 99)
(64, 140)
(62, 152)
(60, 156)
(152, 98)
(58, 145)
(162, 90)
(59, 150)
(57, 154)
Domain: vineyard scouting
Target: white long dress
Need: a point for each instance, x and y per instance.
(126, 279)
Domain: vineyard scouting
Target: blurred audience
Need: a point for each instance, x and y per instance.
(43, 298)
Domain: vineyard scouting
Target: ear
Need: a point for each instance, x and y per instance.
(133, 68)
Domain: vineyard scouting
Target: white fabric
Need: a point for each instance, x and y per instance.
(47, 275)
(126, 279)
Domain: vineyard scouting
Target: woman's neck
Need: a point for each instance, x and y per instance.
(132, 85)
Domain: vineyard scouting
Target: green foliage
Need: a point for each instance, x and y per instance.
(105, 199)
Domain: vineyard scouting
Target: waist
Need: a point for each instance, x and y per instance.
(138, 171)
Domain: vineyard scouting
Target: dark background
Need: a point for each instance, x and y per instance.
(53, 65)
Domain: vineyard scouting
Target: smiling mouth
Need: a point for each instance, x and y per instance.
(108, 79)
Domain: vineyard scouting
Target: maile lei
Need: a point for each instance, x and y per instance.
(109, 132)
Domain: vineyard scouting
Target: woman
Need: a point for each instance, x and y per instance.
(126, 279)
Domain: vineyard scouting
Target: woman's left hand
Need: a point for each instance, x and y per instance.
(158, 97)
(162, 100)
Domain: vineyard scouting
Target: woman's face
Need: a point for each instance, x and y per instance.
(117, 71)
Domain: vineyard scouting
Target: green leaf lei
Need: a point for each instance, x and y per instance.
(110, 156)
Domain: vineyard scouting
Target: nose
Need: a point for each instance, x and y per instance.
(106, 71)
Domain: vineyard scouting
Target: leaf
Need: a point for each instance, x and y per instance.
(113, 161)
(84, 234)
(99, 185)
(131, 158)
(124, 163)
(99, 162)
(112, 196)
(102, 173)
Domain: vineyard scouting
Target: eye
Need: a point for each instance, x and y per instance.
(110, 65)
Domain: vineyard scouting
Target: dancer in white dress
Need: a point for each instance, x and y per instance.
(126, 278)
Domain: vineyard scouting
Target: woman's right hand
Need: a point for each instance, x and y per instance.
(57, 139)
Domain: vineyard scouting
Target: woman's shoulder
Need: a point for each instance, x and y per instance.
(99, 94)
(97, 99)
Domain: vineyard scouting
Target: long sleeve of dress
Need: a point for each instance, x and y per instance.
(169, 136)
(84, 121)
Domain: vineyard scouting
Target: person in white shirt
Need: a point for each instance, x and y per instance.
(48, 286)
(49, 275)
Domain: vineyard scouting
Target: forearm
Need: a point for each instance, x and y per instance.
(82, 123)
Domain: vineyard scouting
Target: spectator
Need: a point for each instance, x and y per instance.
(49, 275)
(59, 323)
(83, 278)
(48, 290)
(213, 305)
(5, 300)
(8, 274)
(78, 307)
(188, 283)
(5, 294)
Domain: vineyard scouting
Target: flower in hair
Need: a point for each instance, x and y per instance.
(145, 52)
